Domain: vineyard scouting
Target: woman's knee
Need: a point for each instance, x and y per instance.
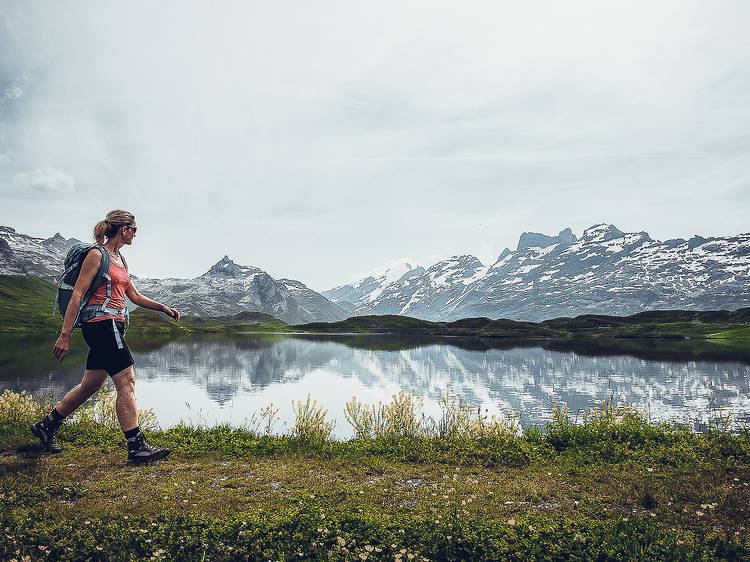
(90, 387)
(124, 380)
(93, 381)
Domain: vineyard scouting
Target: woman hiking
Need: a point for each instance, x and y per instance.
(102, 321)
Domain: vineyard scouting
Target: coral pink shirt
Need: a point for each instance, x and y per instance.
(120, 282)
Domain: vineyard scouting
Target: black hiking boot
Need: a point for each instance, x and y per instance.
(47, 434)
(141, 451)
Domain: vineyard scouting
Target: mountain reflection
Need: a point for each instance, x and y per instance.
(520, 375)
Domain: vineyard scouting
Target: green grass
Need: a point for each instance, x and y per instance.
(613, 487)
(737, 333)
(26, 304)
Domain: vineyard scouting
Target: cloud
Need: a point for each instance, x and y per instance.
(422, 128)
(14, 92)
(45, 179)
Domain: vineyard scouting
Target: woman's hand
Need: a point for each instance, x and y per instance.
(171, 312)
(61, 346)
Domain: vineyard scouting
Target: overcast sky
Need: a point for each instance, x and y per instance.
(317, 140)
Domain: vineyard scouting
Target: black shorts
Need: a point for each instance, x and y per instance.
(103, 352)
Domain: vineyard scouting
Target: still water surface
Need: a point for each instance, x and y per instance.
(208, 380)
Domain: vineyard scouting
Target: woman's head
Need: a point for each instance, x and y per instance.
(112, 225)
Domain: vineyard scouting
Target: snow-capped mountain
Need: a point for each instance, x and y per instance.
(225, 289)
(26, 255)
(432, 288)
(370, 286)
(606, 271)
(228, 288)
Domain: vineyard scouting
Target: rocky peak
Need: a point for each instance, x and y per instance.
(454, 262)
(57, 241)
(602, 233)
(506, 252)
(696, 241)
(227, 269)
(467, 261)
(417, 271)
(537, 240)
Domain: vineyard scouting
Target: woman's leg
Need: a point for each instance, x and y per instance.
(90, 383)
(139, 450)
(46, 428)
(127, 412)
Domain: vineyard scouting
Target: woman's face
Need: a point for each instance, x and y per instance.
(128, 233)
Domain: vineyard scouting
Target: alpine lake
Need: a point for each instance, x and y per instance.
(228, 379)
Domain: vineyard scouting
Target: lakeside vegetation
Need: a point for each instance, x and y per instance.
(605, 485)
(613, 486)
(26, 304)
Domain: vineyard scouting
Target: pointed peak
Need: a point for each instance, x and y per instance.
(503, 254)
(696, 241)
(226, 268)
(58, 240)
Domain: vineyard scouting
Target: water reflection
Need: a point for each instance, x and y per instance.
(226, 379)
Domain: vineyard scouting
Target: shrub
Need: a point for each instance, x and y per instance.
(464, 421)
(22, 408)
(400, 418)
(269, 415)
(310, 424)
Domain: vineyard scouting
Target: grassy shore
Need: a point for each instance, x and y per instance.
(612, 487)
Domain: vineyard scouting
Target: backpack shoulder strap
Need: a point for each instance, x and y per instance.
(103, 268)
(99, 277)
(124, 262)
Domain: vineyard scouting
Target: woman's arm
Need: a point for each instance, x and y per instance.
(88, 270)
(144, 302)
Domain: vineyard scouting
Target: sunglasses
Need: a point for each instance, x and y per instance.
(133, 228)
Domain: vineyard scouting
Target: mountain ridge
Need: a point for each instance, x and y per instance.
(226, 289)
(604, 271)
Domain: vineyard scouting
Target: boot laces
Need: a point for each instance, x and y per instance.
(52, 436)
(143, 445)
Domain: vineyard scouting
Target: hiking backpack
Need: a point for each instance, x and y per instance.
(73, 263)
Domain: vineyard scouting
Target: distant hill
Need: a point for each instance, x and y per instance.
(26, 304)
(663, 324)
